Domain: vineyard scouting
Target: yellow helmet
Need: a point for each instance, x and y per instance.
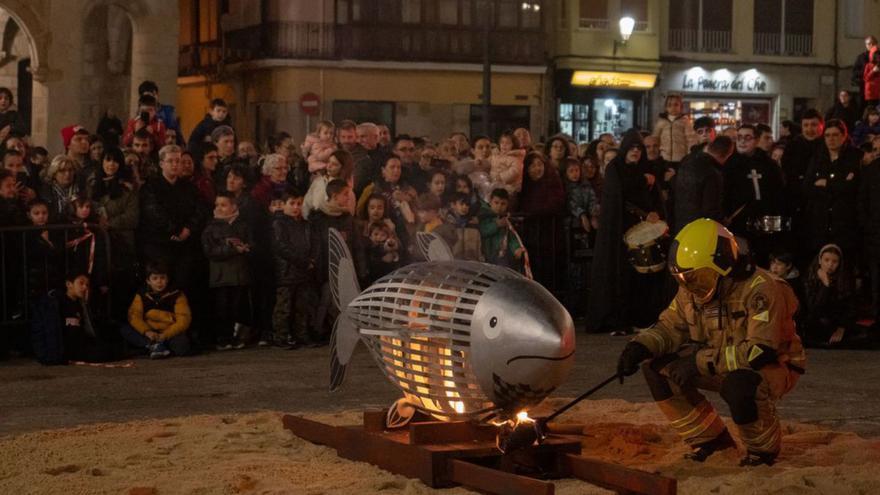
(700, 254)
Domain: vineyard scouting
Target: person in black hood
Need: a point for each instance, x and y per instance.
(622, 298)
(699, 184)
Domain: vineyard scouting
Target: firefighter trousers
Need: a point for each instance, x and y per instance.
(750, 395)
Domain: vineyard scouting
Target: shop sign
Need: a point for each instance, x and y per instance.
(723, 81)
(620, 80)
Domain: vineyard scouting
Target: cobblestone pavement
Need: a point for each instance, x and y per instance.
(840, 388)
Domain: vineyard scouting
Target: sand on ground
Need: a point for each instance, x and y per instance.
(254, 454)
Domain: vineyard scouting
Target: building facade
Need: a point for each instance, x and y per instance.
(414, 65)
(557, 65)
(69, 61)
(743, 61)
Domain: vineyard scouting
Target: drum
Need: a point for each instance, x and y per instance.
(647, 244)
(772, 224)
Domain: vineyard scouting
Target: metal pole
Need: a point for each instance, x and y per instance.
(487, 66)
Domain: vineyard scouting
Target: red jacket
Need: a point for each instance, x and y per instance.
(156, 128)
(871, 78)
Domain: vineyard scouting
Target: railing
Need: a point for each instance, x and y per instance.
(693, 40)
(397, 42)
(588, 23)
(796, 45)
(16, 263)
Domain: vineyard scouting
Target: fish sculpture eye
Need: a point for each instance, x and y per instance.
(493, 329)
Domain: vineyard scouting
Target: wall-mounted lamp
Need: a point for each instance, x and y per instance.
(533, 6)
(626, 25)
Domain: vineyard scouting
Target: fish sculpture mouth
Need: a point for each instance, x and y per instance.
(545, 358)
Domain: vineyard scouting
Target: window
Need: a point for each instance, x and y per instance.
(507, 13)
(700, 25)
(638, 10)
(447, 12)
(783, 27)
(594, 14)
(411, 11)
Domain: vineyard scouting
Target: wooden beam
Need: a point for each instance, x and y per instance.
(497, 482)
(313, 431)
(620, 478)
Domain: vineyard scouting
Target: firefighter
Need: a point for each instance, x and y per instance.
(730, 329)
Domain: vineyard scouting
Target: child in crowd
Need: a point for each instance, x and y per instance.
(158, 317)
(782, 265)
(464, 185)
(218, 114)
(227, 241)
(383, 255)
(583, 208)
(44, 250)
(437, 184)
(336, 215)
(868, 126)
(86, 247)
(675, 130)
(500, 246)
(319, 145)
(828, 316)
(295, 251)
(428, 213)
(11, 212)
(461, 229)
(148, 120)
(507, 164)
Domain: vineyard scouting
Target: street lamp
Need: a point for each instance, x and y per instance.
(626, 25)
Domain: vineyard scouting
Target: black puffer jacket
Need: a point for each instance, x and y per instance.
(697, 190)
(294, 249)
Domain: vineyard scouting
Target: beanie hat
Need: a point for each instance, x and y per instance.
(704, 121)
(68, 132)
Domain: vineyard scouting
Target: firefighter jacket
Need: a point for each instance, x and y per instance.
(748, 325)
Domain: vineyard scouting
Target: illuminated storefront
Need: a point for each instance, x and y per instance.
(730, 97)
(591, 103)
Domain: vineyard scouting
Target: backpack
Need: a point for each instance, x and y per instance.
(47, 339)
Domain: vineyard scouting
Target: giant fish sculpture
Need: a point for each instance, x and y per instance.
(462, 340)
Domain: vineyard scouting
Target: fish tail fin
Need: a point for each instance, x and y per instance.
(344, 287)
(342, 343)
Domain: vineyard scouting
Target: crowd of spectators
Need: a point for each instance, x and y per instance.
(213, 245)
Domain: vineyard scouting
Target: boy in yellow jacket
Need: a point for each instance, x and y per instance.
(158, 317)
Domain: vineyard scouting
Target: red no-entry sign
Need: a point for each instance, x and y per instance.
(310, 104)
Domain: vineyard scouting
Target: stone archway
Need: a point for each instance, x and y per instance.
(35, 42)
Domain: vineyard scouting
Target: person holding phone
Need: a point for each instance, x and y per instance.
(146, 119)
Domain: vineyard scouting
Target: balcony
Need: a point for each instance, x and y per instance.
(693, 40)
(793, 45)
(392, 42)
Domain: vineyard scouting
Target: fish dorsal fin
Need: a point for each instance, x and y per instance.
(433, 247)
(343, 277)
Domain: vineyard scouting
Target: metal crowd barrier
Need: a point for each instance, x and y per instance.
(14, 282)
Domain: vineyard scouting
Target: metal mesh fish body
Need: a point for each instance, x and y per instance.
(416, 321)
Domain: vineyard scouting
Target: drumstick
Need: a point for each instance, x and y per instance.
(735, 214)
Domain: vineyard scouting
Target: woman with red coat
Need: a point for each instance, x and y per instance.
(871, 75)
